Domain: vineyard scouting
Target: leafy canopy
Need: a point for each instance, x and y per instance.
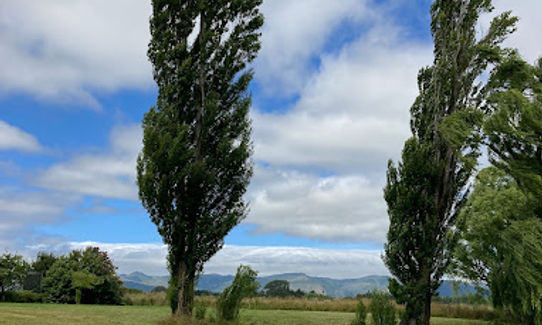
(501, 245)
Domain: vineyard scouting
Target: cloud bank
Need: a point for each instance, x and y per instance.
(151, 259)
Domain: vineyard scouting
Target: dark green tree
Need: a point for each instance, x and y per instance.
(90, 271)
(38, 270)
(159, 289)
(277, 288)
(426, 190)
(13, 270)
(195, 164)
(43, 262)
(501, 245)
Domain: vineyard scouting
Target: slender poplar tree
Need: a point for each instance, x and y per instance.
(426, 190)
(195, 164)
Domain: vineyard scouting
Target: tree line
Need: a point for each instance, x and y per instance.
(82, 276)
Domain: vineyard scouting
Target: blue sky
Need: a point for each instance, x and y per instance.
(332, 88)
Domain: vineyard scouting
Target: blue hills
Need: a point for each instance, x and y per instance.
(338, 288)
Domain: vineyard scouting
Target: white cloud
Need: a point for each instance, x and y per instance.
(108, 174)
(527, 38)
(354, 113)
(13, 138)
(146, 258)
(151, 259)
(62, 50)
(335, 208)
(352, 116)
(22, 209)
(295, 31)
(334, 263)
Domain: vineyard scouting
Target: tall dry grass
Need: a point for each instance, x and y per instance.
(145, 299)
(438, 309)
(479, 312)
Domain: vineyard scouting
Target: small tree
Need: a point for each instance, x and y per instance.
(159, 289)
(43, 263)
(244, 285)
(277, 288)
(361, 314)
(13, 270)
(83, 280)
(382, 309)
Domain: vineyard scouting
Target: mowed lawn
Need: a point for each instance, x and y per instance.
(49, 314)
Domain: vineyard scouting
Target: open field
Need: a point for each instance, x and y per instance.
(52, 314)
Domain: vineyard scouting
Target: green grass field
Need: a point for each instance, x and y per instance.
(49, 314)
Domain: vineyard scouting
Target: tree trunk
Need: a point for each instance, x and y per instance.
(426, 316)
(420, 315)
(77, 296)
(185, 291)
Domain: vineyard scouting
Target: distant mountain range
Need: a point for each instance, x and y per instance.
(338, 288)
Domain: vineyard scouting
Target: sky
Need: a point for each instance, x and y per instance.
(333, 84)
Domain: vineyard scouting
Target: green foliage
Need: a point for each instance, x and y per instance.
(32, 281)
(426, 190)
(280, 288)
(361, 314)
(195, 164)
(382, 309)
(200, 310)
(159, 289)
(244, 285)
(514, 135)
(24, 296)
(126, 290)
(13, 270)
(90, 271)
(84, 280)
(57, 285)
(43, 262)
(514, 130)
(501, 245)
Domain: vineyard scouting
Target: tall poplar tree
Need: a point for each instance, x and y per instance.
(195, 164)
(426, 190)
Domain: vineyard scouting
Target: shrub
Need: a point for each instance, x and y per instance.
(199, 311)
(382, 309)
(361, 314)
(244, 285)
(24, 296)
